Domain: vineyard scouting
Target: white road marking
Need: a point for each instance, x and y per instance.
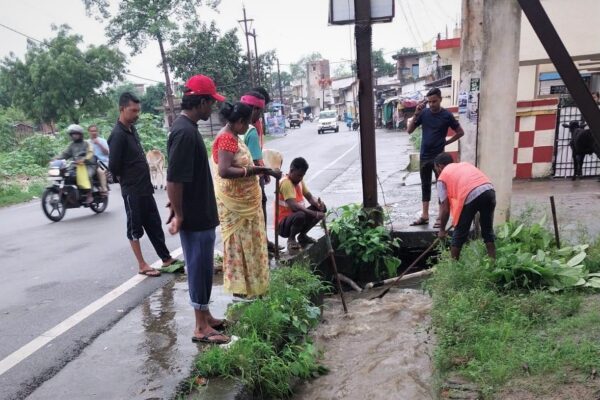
(39, 342)
(331, 164)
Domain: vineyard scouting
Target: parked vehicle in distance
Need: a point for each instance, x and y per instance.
(295, 120)
(328, 121)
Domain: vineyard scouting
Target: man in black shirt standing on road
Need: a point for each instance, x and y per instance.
(127, 162)
(435, 121)
(194, 207)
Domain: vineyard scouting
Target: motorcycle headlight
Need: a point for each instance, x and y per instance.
(54, 172)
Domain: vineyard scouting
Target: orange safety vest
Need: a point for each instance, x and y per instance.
(284, 208)
(460, 179)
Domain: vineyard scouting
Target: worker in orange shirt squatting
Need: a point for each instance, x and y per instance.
(295, 219)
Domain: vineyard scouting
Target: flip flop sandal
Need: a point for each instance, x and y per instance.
(420, 221)
(206, 339)
(154, 273)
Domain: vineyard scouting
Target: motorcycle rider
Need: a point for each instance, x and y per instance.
(82, 153)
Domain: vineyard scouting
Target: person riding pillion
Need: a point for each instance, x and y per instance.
(82, 154)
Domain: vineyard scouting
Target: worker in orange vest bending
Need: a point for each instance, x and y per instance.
(295, 219)
(463, 191)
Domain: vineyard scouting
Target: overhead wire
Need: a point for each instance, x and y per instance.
(412, 34)
(416, 26)
(79, 58)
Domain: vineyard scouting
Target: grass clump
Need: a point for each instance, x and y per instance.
(492, 330)
(273, 349)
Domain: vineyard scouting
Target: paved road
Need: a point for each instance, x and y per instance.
(51, 271)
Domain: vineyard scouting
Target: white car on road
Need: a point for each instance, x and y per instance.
(328, 121)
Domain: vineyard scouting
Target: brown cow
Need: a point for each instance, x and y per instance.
(156, 163)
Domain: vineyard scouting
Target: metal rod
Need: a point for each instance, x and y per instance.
(411, 266)
(333, 264)
(276, 224)
(541, 24)
(552, 206)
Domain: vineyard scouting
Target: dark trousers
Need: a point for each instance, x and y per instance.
(299, 222)
(425, 170)
(142, 215)
(198, 251)
(484, 204)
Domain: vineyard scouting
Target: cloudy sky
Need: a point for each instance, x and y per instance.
(294, 28)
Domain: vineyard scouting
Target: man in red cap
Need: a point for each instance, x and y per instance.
(192, 199)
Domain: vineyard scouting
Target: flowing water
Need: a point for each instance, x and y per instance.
(381, 350)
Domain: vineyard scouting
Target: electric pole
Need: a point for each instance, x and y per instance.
(246, 33)
(253, 34)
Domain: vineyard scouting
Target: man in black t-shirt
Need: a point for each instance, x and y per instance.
(435, 121)
(127, 162)
(192, 199)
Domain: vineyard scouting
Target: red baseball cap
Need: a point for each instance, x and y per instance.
(202, 84)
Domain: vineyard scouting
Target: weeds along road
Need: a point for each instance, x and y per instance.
(57, 291)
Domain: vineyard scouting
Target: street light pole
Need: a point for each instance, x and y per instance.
(363, 34)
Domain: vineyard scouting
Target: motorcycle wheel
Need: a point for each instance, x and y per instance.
(53, 205)
(99, 206)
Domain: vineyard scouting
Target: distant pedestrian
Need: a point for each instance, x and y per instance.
(465, 191)
(245, 258)
(127, 162)
(435, 121)
(192, 200)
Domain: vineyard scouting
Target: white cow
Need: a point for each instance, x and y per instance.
(156, 163)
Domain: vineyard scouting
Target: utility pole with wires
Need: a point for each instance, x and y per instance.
(246, 33)
(253, 34)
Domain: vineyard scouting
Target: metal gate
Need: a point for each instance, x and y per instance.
(563, 159)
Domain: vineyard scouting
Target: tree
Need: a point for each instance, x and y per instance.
(383, 67)
(298, 69)
(153, 98)
(407, 50)
(201, 49)
(286, 79)
(57, 80)
(343, 70)
(138, 21)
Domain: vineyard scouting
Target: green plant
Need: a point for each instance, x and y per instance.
(527, 258)
(356, 234)
(273, 348)
(416, 138)
(488, 326)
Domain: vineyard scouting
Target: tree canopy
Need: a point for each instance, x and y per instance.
(298, 69)
(59, 81)
(201, 48)
(153, 98)
(383, 67)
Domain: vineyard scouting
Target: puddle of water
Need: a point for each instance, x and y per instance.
(380, 350)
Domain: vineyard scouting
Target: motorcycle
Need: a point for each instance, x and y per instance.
(63, 193)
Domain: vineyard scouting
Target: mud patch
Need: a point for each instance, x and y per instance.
(380, 350)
